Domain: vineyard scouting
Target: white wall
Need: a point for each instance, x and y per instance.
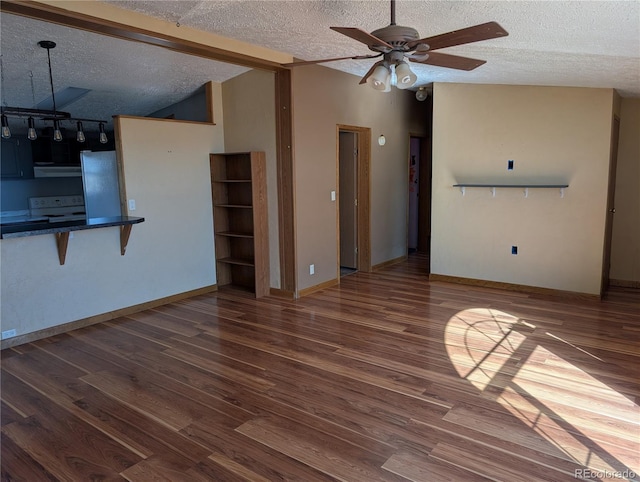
(166, 165)
(554, 135)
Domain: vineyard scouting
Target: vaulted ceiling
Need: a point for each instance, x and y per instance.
(565, 43)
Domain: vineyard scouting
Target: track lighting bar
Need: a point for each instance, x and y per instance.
(47, 115)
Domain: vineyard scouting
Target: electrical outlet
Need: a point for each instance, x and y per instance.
(514, 250)
(8, 334)
(312, 269)
(333, 195)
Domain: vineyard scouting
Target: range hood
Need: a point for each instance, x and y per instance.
(57, 171)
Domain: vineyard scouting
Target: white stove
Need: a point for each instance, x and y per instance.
(58, 209)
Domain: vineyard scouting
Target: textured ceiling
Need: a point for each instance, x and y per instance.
(569, 43)
(565, 43)
(123, 77)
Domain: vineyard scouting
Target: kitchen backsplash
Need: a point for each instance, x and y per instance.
(15, 194)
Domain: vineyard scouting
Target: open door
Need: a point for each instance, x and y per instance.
(611, 194)
(348, 176)
(419, 208)
(353, 167)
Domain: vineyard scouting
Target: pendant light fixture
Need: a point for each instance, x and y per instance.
(31, 133)
(80, 137)
(103, 136)
(55, 116)
(6, 132)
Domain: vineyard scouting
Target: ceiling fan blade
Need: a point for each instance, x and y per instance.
(366, 38)
(467, 35)
(363, 80)
(310, 62)
(450, 61)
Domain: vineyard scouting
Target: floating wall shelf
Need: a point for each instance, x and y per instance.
(526, 187)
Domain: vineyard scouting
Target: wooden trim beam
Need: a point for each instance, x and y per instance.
(61, 16)
(286, 183)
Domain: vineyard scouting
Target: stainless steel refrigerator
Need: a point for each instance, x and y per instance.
(101, 184)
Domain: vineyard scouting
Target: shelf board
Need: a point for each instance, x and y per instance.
(234, 234)
(232, 180)
(520, 186)
(240, 206)
(240, 261)
(526, 187)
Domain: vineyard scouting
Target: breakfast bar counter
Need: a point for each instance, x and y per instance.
(62, 229)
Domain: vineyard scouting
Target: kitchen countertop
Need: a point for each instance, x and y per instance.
(24, 229)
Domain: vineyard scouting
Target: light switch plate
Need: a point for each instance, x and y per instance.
(132, 204)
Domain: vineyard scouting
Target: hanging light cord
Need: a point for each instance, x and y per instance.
(33, 90)
(4, 97)
(53, 95)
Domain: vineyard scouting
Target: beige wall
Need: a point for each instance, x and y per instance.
(554, 135)
(625, 251)
(166, 166)
(322, 99)
(250, 125)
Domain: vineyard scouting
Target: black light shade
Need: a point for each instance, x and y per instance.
(80, 134)
(103, 135)
(31, 133)
(6, 132)
(57, 134)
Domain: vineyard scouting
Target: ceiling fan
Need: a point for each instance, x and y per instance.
(394, 43)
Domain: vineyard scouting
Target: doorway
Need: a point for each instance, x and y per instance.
(353, 161)
(611, 195)
(419, 198)
(348, 201)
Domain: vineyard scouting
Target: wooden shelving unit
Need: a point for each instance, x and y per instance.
(239, 189)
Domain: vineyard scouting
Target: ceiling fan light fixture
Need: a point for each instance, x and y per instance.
(380, 79)
(405, 77)
(422, 94)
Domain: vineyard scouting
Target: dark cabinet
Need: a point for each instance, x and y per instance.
(46, 150)
(16, 158)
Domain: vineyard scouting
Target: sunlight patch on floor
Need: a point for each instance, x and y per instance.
(543, 390)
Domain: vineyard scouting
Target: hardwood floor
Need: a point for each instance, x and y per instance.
(387, 377)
